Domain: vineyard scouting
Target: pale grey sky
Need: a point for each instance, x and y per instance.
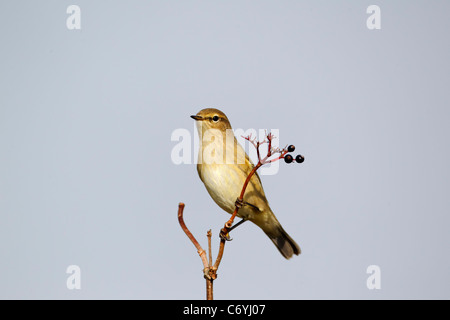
(86, 117)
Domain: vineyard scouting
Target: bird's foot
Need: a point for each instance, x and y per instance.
(225, 235)
(239, 203)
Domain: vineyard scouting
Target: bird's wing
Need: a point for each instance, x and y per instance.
(255, 199)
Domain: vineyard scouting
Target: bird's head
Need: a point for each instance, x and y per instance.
(211, 118)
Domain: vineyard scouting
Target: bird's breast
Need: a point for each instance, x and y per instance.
(224, 183)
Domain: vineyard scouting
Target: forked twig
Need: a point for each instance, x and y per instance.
(208, 272)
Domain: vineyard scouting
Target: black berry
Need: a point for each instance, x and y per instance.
(288, 158)
(291, 148)
(299, 158)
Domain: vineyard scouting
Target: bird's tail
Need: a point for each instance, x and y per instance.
(284, 243)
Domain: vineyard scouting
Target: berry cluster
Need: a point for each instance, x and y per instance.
(288, 158)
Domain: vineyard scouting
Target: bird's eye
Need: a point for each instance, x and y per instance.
(215, 118)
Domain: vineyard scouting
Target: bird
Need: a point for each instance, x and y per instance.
(223, 166)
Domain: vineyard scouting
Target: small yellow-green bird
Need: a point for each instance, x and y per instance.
(223, 166)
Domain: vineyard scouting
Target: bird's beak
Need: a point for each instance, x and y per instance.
(197, 118)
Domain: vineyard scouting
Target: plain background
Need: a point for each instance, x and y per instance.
(86, 176)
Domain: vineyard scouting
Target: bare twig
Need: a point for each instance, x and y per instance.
(208, 234)
(200, 250)
(219, 254)
(208, 274)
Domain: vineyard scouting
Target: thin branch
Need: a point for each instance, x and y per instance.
(219, 255)
(191, 237)
(208, 234)
(209, 289)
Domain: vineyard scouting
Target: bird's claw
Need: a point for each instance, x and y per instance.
(225, 235)
(239, 203)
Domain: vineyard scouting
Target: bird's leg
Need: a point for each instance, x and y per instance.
(240, 203)
(237, 225)
(251, 205)
(224, 233)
